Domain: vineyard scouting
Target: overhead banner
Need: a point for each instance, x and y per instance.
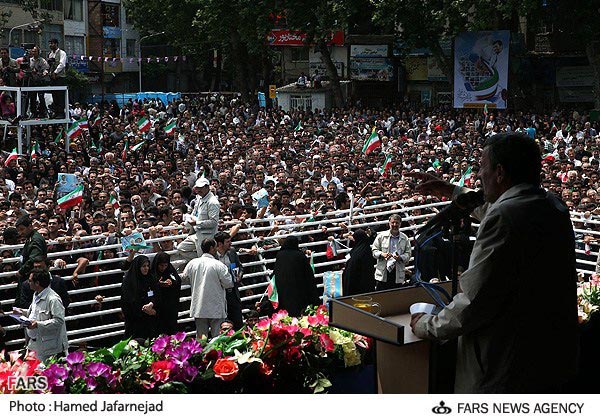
(285, 37)
(481, 69)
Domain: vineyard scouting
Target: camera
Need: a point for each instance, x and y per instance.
(24, 65)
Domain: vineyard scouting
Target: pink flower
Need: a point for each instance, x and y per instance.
(263, 324)
(318, 319)
(279, 315)
(326, 342)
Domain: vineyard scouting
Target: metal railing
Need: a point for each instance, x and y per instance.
(257, 269)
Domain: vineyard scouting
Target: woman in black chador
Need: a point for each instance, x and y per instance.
(169, 286)
(139, 301)
(359, 273)
(294, 279)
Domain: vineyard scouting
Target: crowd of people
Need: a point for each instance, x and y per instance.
(243, 172)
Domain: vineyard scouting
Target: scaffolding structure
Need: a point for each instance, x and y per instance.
(25, 123)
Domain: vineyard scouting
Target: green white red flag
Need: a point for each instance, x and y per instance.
(170, 128)
(72, 199)
(272, 292)
(12, 156)
(74, 130)
(386, 168)
(372, 143)
(144, 125)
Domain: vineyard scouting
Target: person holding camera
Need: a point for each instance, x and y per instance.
(8, 68)
(57, 59)
(37, 75)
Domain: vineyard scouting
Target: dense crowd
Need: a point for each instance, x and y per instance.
(308, 162)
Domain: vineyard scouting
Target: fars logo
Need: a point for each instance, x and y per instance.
(441, 409)
(27, 383)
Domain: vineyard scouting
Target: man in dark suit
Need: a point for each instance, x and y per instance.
(228, 256)
(35, 247)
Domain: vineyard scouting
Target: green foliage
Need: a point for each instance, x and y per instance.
(78, 84)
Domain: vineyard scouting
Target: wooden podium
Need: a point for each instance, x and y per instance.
(402, 358)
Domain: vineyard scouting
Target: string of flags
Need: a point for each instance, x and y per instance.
(130, 60)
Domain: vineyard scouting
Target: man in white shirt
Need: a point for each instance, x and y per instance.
(57, 59)
(208, 278)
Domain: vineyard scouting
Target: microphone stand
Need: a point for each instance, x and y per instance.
(442, 357)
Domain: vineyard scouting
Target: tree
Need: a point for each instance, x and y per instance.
(319, 19)
(237, 29)
(424, 23)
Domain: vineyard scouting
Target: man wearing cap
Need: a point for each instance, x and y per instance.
(204, 220)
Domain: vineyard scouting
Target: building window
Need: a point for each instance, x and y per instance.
(74, 10)
(110, 15)
(130, 48)
(301, 102)
(75, 45)
(52, 5)
(51, 32)
(112, 48)
(299, 54)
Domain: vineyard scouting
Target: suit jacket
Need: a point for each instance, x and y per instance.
(206, 211)
(516, 317)
(382, 245)
(51, 329)
(35, 245)
(208, 278)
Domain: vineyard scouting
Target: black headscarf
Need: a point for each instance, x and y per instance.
(137, 290)
(359, 273)
(168, 296)
(294, 278)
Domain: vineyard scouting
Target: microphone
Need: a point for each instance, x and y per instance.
(470, 200)
(460, 208)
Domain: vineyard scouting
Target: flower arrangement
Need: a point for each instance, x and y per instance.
(16, 367)
(280, 354)
(588, 298)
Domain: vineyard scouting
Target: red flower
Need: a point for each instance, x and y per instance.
(212, 355)
(326, 342)
(161, 370)
(226, 369)
(265, 369)
(278, 336)
(292, 354)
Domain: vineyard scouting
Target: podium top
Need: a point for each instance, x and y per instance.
(392, 325)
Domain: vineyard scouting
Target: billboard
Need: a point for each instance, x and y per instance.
(369, 51)
(481, 69)
(374, 69)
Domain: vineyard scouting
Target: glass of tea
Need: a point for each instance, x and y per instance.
(366, 304)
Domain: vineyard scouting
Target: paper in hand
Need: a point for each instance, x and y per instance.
(426, 308)
(134, 241)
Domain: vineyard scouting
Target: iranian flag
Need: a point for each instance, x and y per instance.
(170, 128)
(35, 150)
(59, 136)
(96, 121)
(138, 146)
(12, 156)
(372, 143)
(272, 292)
(71, 199)
(332, 249)
(298, 127)
(124, 152)
(143, 125)
(466, 178)
(387, 166)
(74, 130)
(113, 201)
(83, 123)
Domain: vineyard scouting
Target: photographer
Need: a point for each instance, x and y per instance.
(57, 59)
(8, 68)
(37, 75)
